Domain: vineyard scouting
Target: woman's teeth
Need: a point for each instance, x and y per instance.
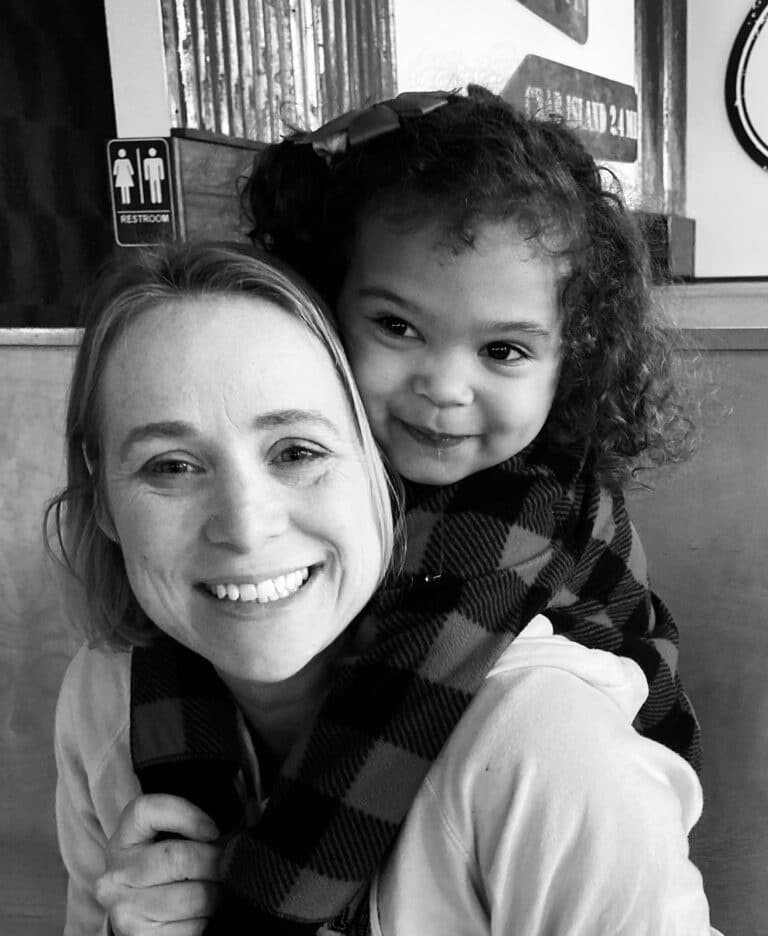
(261, 592)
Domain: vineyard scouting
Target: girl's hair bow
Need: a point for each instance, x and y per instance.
(366, 123)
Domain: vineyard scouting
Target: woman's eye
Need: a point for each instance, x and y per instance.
(504, 351)
(171, 467)
(298, 453)
(396, 326)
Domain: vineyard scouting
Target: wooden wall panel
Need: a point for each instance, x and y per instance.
(35, 639)
(207, 170)
(705, 530)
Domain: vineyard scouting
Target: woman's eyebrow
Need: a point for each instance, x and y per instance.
(277, 419)
(177, 429)
(168, 429)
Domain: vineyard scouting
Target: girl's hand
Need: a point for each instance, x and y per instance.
(168, 888)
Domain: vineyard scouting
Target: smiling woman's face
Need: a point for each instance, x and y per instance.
(235, 484)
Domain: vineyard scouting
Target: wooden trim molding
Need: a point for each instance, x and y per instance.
(40, 337)
(720, 316)
(730, 315)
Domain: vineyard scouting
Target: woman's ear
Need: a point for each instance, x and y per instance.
(103, 519)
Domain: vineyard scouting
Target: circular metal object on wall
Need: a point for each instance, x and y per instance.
(749, 136)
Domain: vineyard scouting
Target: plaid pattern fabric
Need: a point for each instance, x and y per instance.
(535, 534)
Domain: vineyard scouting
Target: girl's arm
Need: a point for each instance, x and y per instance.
(548, 813)
(592, 835)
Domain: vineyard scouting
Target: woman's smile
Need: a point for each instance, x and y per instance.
(262, 590)
(265, 594)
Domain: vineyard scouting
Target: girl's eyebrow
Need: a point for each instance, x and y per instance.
(380, 292)
(178, 429)
(529, 326)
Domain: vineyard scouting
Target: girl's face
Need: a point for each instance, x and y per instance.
(456, 355)
(235, 484)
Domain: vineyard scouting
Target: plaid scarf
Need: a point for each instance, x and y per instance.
(535, 534)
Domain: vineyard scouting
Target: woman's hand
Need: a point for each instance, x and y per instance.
(170, 887)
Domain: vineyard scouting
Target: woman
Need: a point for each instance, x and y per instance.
(224, 490)
(229, 517)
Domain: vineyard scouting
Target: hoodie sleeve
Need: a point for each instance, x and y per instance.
(548, 813)
(94, 780)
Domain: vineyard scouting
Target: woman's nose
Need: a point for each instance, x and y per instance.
(444, 382)
(244, 510)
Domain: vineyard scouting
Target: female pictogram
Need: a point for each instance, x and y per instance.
(122, 172)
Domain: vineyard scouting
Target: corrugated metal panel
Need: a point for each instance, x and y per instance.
(257, 68)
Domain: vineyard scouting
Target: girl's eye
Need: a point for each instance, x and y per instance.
(504, 351)
(396, 326)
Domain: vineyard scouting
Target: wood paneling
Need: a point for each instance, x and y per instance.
(705, 530)
(207, 170)
(36, 641)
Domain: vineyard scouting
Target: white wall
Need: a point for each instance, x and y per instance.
(449, 43)
(137, 63)
(727, 192)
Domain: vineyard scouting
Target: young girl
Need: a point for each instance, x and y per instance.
(493, 297)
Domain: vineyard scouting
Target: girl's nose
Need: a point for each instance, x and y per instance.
(245, 509)
(444, 382)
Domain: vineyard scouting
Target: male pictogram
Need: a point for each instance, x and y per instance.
(154, 173)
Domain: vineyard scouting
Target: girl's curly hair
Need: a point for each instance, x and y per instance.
(477, 160)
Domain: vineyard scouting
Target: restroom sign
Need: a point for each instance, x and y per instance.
(141, 191)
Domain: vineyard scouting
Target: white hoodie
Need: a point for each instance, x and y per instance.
(545, 814)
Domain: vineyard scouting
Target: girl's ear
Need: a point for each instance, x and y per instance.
(103, 519)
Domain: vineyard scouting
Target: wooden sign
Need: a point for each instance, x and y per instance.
(602, 112)
(745, 97)
(569, 16)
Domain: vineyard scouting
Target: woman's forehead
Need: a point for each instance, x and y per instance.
(189, 357)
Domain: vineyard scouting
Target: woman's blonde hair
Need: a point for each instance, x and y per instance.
(126, 288)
